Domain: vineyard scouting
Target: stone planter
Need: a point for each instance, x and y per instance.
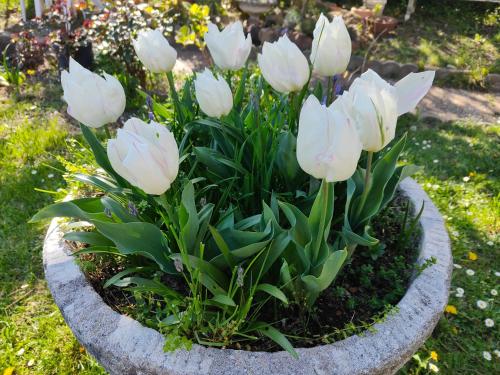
(123, 346)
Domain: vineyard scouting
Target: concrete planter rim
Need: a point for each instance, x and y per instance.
(123, 346)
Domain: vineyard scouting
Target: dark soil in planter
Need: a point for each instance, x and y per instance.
(363, 294)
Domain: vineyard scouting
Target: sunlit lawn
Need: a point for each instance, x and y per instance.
(33, 336)
(447, 33)
(460, 173)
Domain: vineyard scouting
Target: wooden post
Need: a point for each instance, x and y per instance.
(410, 9)
(23, 10)
(38, 8)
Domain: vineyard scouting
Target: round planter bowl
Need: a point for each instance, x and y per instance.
(123, 346)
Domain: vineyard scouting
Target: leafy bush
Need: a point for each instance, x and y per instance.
(113, 30)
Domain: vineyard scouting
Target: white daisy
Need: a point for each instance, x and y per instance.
(459, 293)
(487, 356)
(457, 266)
(470, 272)
(494, 292)
(497, 352)
(433, 367)
(482, 304)
(489, 323)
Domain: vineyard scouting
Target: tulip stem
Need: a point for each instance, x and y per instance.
(368, 181)
(229, 78)
(368, 169)
(175, 97)
(107, 132)
(291, 112)
(329, 91)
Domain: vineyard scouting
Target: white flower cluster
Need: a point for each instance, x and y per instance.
(330, 139)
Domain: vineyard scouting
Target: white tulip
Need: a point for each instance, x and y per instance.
(213, 94)
(92, 99)
(229, 48)
(154, 51)
(328, 144)
(374, 105)
(283, 65)
(331, 47)
(146, 155)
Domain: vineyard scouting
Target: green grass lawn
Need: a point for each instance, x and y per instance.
(446, 33)
(459, 171)
(33, 336)
(461, 175)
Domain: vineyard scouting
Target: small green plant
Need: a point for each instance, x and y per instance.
(12, 74)
(192, 31)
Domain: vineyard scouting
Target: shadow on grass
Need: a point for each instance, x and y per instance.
(458, 151)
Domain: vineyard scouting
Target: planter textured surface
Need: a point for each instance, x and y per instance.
(124, 346)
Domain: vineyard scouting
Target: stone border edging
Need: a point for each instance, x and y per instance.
(396, 70)
(123, 346)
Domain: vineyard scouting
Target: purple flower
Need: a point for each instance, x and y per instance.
(107, 212)
(132, 209)
(239, 279)
(178, 265)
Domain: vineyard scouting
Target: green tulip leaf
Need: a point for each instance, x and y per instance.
(98, 250)
(223, 300)
(83, 209)
(118, 210)
(90, 238)
(275, 335)
(272, 291)
(399, 175)
(331, 267)
(188, 219)
(100, 154)
(139, 238)
(286, 159)
(319, 220)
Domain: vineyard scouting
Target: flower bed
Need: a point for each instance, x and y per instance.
(123, 346)
(252, 191)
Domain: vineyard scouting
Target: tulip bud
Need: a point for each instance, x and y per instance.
(331, 47)
(213, 94)
(283, 65)
(374, 105)
(229, 48)
(328, 145)
(92, 99)
(146, 155)
(154, 51)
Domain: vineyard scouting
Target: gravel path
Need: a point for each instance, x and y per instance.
(448, 104)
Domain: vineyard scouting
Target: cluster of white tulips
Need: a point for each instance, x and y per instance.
(330, 138)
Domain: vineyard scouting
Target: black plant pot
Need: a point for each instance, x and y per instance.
(82, 55)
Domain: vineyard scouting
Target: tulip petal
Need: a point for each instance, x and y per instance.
(213, 94)
(313, 139)
(411, 89)
(113, 151)
(140, 160)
